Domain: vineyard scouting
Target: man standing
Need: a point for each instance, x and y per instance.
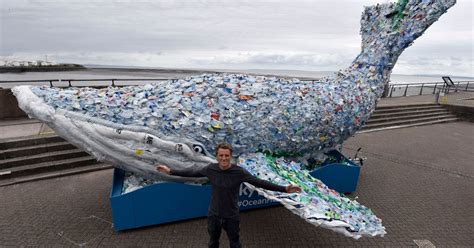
(225, 180)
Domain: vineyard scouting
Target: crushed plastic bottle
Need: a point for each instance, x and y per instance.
(253, 113)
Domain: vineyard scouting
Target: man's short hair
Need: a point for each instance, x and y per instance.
(224, 146)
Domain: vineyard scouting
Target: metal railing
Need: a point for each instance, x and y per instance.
(105, 81)
(392, 90)
(412, 89)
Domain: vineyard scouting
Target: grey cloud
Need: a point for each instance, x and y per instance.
(275, 60)
(297, 59)
(167, 33)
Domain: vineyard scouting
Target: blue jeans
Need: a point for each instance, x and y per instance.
(231, 226)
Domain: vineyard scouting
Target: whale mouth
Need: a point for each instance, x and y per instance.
(134, 148)
(130, 147)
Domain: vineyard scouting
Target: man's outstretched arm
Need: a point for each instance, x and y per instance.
(264, 184)
(182, 173)
(291, 188)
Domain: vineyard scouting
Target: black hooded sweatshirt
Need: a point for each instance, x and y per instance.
(225, 187)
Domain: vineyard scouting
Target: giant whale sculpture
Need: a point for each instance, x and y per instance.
(180, 122)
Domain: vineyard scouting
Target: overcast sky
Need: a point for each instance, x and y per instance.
(313, 35)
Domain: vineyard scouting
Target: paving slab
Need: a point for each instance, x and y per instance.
(23, 127)
(418, 180)
(408, 100)
(465, 99)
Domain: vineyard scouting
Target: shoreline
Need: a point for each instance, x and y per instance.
(89, 73)
(46, 68)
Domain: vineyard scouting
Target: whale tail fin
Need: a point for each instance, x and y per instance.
(396, 25)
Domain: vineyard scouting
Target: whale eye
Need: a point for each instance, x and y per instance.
(198, 149)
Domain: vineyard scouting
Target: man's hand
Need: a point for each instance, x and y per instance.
(293, 189)
(163, 169)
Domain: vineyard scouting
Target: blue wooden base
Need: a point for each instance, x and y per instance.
(340, 174)
(168, 202)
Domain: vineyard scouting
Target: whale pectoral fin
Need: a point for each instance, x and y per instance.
(317, 204)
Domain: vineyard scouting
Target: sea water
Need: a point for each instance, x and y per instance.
(145, 73)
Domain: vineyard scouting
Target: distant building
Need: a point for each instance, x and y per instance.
(24, 63)
(38, 65)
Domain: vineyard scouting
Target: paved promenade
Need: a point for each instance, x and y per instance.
(418, 180)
